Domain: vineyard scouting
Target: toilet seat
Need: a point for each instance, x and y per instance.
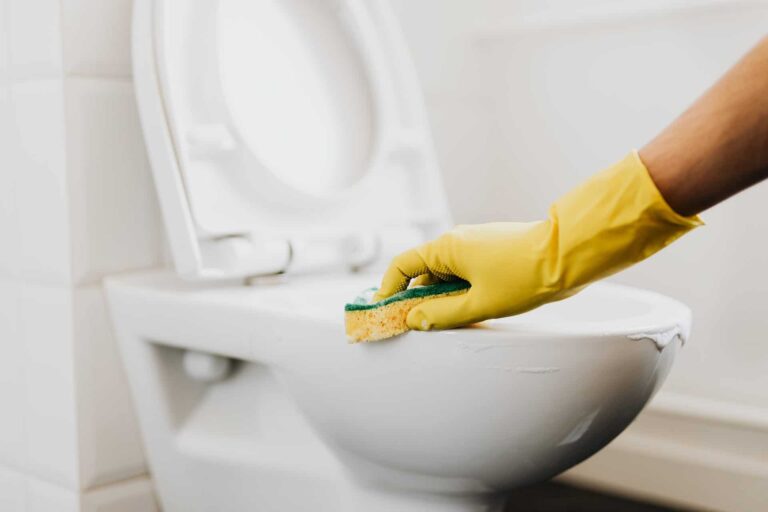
(221, 105)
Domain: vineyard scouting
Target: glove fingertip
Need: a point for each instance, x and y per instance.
(417, 320)
(443, 313)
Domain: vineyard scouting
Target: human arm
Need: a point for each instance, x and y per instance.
(719, 146)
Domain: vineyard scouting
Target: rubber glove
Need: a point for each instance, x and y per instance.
(613, 220)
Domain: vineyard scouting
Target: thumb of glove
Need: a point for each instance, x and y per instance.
(443, 313)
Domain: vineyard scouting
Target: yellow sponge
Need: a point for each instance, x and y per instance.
(366, 321)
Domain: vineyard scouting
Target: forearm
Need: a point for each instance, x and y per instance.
(719, 146)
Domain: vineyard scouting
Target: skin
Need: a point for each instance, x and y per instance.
(719, 146)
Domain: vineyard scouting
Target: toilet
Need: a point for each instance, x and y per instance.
(292, 159)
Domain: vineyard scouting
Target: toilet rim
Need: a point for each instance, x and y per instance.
(294, 309)
(601, 309)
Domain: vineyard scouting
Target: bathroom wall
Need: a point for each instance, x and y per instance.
(75, 204)
(527, 98)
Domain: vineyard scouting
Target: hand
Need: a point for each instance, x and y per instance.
(613, 220)
(507, 264)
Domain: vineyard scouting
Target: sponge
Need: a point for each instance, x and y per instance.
(367, 321)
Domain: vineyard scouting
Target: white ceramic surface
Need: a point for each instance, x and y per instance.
(259, 167)
(113, 214)
(12, 375)
(42, 496)
(75, 203)
(21, 492)
(12, 492)
(33, 37)
(437, 421)
(50, 423)
(37, 146)
(108, 442)
(96, 37)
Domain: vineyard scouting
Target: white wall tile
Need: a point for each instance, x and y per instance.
(3, 39)
(34, 38)
(12, 491)
(136, 495)
(12, 378)
(10, 255)
(97, 37)
(50, 423)
(37, 159)
(115, 218)
(110, 443)
(42, 496)
(76, 202)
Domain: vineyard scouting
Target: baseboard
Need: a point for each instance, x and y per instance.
(689, 452)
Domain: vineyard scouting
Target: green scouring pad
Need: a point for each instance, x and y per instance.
(373, 321)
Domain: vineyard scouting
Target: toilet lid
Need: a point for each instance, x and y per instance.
(283, 135)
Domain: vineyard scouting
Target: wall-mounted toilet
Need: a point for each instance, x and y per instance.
(292, 158)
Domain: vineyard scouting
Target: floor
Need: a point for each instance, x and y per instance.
(555, 497)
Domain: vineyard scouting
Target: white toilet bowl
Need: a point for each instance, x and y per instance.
(427, 421)
(289, 137)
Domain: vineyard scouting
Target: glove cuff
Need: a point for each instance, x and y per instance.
(616, 218)
(634, 161)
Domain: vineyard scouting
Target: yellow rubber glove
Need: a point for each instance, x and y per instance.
(613, 220)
